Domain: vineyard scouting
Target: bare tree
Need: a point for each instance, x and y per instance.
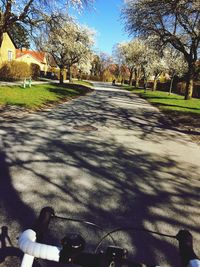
(173, 22)
(30, 12)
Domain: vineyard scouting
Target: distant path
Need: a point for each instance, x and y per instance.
(104, 157)
(21, 83)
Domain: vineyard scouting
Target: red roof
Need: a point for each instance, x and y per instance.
(40, 56)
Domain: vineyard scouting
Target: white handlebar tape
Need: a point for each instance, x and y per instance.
(28, 245)
(27, 261)
(194, 263)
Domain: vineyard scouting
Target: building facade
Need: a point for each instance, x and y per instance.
(7, 49)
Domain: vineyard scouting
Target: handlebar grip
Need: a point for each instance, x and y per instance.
(28, 245)
(187, 253)
(42, 223)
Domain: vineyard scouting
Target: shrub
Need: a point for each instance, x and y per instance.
(85, 76)
(35, 70)
(14, 71)
(94, 78)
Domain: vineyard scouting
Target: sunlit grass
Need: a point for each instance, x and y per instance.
(85, 83)
(39, 95)
(167, 102)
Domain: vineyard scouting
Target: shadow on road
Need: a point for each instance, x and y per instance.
(6, 247)
(91, 175)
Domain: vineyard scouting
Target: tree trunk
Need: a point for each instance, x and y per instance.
(145, 84)
(69, 77)
(61, 75)
(155, 84)
(131, 77)
(137, 82)
(171, 84)
(190, 80)
(137, 78)
(1, 37)
(144, 78)
(189, 89)
(189, 85)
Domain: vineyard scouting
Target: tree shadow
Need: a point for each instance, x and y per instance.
(102, 176)
(7, 249)
(13, 209)
(70, 90)
(11, 203)
(122, 185)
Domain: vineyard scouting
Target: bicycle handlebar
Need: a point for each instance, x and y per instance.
(29, 243)
(27, 240)
(42, 223)
(46, 252)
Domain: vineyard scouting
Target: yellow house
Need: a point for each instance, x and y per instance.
(9, 52)
(7, 49)
(35, 57)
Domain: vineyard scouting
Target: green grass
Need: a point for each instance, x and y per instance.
(85, 83)
(167, 102)
(39, 95)
(132, 89)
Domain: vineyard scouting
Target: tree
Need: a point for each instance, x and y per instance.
(30, 12)
(20, 35)
(67, 42)
(95, 66)
(84, 66)
(175, 64)
(114, 70)
(174, 22)
(131, 55)
(124, 72)
(100, 65)
(157, 68)
(105, 61)
(151, 61)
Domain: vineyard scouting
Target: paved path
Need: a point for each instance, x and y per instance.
(21, 83)
(128, 170)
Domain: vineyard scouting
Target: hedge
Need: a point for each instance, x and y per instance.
(17, 70)
(14, 70)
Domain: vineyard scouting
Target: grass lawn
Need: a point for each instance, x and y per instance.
(181, 111)
(85, 83)
(168, 102)
(39, 95)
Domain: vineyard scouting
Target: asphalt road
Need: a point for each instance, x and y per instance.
(105, 157)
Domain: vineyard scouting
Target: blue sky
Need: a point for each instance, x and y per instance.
(104, 17)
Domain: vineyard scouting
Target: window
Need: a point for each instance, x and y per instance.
(10, 55)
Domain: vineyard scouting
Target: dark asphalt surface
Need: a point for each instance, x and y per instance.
(105, 157)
